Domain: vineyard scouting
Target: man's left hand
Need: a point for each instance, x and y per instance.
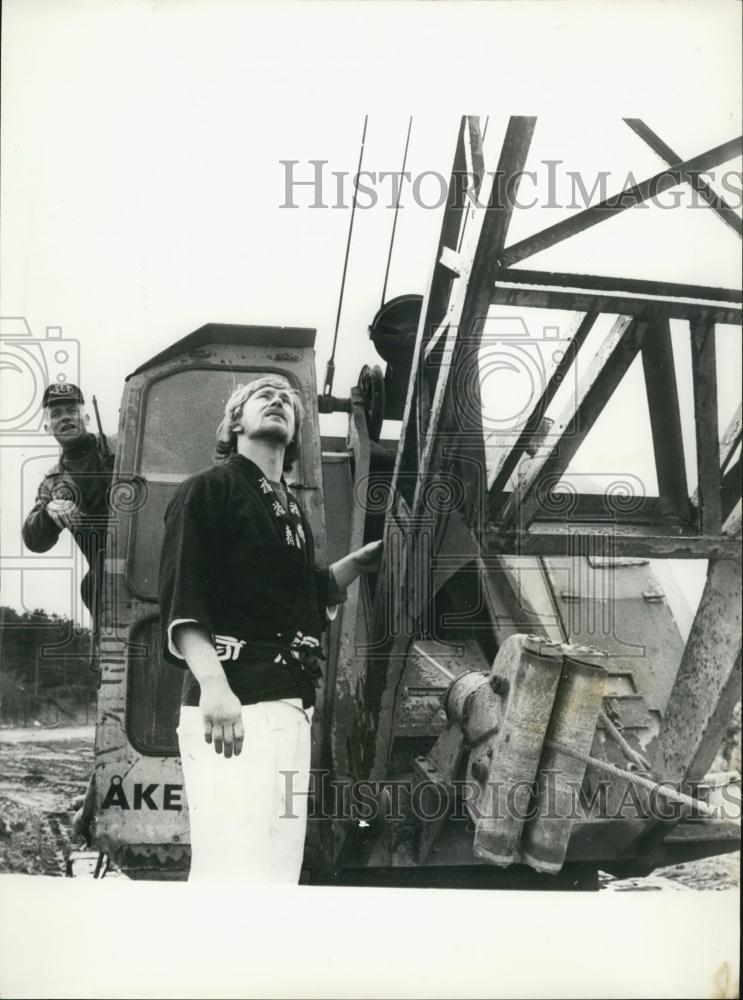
(369, 557)
(363, 560)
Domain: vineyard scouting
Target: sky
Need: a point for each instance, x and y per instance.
(144, 169)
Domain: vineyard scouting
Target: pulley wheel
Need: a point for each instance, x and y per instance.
(371, 384)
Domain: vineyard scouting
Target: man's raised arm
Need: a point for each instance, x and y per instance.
(363, 560)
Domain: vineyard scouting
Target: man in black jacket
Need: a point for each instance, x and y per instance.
(243, 606)
(74, 493)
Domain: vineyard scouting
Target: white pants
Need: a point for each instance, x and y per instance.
(248, 820)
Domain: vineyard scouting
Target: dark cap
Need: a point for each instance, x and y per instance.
(62, 392)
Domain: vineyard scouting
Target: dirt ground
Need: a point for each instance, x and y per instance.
(42, 770)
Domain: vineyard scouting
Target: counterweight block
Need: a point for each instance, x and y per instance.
(539, 694)
(572, 726)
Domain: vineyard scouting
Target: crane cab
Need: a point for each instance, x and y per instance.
(171, 407)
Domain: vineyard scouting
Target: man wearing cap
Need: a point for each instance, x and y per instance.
(74, 493)
(242, 606)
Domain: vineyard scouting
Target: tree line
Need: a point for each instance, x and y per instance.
(46, 669)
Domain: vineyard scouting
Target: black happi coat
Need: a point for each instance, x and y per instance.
(236, 561)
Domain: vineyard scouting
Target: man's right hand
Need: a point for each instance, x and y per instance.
(64, 513)
(221, 713)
